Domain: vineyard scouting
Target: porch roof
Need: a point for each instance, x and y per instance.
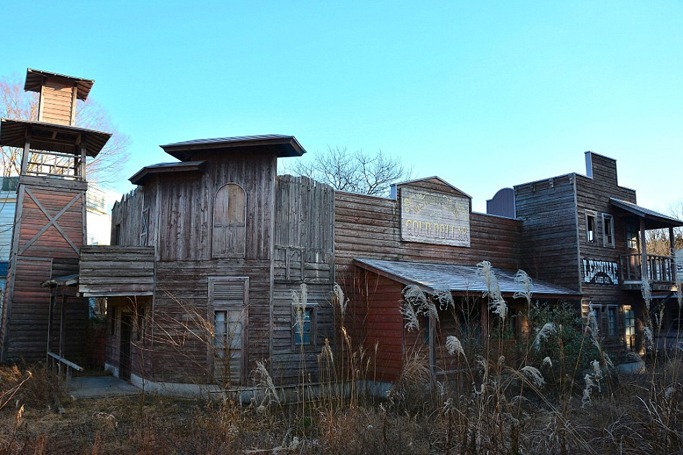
(457, 278)
(653, 220)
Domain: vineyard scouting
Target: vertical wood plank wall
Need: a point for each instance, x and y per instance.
(304, 254)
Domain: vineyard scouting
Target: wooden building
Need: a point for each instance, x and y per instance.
(206, 255)
(218, 266)
(424, 235)
(587, 233)
(38, 316)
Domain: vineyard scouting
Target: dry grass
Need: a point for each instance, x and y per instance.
(643, 414)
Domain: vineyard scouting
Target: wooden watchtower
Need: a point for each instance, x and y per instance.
(50, 221)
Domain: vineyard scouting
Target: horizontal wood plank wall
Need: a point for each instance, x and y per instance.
(116, 270)
(304, 253)
(549, 248)
(181, 343)
(8, 204)
(374, 321)
(369, 227)
(56, 103)
(26, 325)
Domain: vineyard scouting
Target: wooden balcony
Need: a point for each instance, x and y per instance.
(107, 271)
(661, 271)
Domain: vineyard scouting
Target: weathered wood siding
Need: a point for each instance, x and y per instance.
(592, 194)
(369, 227)
(375, 322)
(57, 103)
(304, 254)
(549, 241)
(116, 271)
(49, 224)
(177, 210)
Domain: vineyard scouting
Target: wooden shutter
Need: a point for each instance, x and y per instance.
(229, 222)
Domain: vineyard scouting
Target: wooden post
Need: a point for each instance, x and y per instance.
(643, 252)
(49, 322)
(672, 254)
(24, 156)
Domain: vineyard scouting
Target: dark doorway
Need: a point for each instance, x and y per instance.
(124, 359)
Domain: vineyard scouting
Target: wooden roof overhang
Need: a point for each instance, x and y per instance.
(458, 279)
(651, 219)
(35, 79)
(67, 280)
(51, 137)
(165, 168)
(280, 145)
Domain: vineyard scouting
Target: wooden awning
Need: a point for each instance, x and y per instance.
(459, 279)
(652, 219)
(51, 137)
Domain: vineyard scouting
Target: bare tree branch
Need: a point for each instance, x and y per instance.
(355, 172)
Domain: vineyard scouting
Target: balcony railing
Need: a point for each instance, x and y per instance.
(660, 269)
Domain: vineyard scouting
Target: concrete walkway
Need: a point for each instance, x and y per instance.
(100, 386)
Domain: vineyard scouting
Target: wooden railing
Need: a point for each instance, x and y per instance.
(660, 269)
(63, 367)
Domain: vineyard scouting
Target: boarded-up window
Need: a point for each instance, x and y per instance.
(229, 222)
(228, 299)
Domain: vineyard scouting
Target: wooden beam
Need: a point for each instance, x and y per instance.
(643, 252)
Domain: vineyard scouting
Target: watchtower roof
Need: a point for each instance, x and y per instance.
(35, 80)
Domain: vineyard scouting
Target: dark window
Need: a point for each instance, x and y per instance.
(632, 237)
(116, 238)
(607, 230)
(612, 321)
(590, 227)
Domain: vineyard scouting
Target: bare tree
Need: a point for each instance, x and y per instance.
(15, 103)
(657, 240)
(356, 172)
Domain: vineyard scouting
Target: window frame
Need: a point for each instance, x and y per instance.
(608, 237)
(312, 310)
(591, 233)
(215, 306)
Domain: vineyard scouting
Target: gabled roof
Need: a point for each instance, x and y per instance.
(51, 137)
(432, 178)
(653, 220)
(457, 278)
(165, 168)
(280, 145)
(35, 78)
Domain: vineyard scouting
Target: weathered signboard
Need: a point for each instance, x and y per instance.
(429, 217)
(600, 272)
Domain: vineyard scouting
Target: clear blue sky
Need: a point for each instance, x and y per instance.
(483, 94)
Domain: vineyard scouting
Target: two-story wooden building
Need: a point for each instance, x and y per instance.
(206, 255)
(587, 233)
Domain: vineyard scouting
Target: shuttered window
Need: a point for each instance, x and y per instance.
(228, 311)
(229, 222)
